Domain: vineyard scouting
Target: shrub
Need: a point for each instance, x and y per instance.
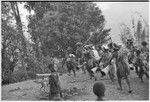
(18, 76)
(31, 75)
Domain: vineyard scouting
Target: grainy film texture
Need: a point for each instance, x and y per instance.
(77, 51)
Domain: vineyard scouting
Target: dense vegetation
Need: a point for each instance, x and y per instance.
(53, 28)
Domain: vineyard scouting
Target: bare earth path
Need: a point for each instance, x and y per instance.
(78, 88)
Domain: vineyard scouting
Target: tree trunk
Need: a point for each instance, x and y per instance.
(15, 10)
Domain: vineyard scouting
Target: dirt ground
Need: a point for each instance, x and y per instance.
(78, 88)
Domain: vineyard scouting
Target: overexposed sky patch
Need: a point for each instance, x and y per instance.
(24, 13)
(105, 5)
(117, 12)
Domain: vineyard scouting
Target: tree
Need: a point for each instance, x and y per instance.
(101, 37)
(144, 34)
(57, 25)
(10, 43)
(125, 33)
(140, 28)
(138, 32)
(15, 47)
(15, 9)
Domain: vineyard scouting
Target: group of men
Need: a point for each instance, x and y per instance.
(139, 58)
(112, 59)
(91, 58)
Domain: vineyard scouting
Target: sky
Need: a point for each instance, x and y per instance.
(114, 13)
(117, 12)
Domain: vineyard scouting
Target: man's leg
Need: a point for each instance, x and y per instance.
(146, 74)
(74, 72)
(136, 70)
(111, 73)
(128, 83)
(120, 85)
(141, 73)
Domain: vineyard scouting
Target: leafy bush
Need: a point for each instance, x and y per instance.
(31, 75)
(5, 80)
(18, 76)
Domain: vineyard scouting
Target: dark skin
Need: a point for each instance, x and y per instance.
(111, 75)
(53, 83)
(99, 98)
(118, 76)
(141, 72)
(99, 91)
(131, 60)
(88, 67)
(71, 67)
(79, 53)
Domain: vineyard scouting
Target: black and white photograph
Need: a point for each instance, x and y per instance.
(75, 50)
